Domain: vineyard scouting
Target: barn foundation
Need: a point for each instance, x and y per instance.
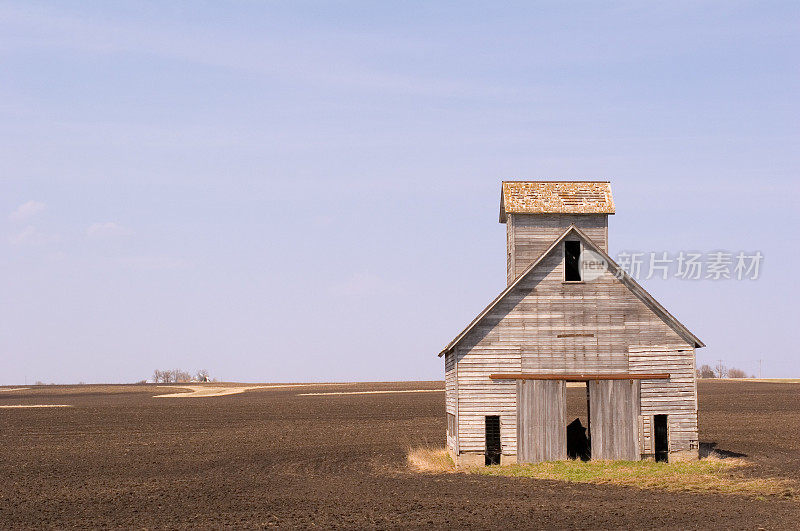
(476, 459)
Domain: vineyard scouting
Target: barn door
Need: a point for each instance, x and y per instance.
(541, 428)
(614, 412)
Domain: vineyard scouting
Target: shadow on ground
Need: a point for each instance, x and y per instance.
(709, 449)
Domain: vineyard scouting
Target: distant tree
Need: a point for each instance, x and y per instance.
(706, 372)
(181, 376)
(203, 376)
(39, 382)
(736, 373)
(160, 376)
(171, 376)
(721, 371)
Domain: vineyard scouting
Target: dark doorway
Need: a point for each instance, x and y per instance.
(578, 442)
(660, 438)
(578, 446)
(493, 448)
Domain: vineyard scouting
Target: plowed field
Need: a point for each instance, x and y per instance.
(282, 457)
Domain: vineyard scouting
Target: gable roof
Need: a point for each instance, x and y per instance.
(555, 197)
(614, 268)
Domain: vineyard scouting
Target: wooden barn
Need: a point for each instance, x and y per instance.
(569, 313)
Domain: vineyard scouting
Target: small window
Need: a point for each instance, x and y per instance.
(572, 257)
(451, 424)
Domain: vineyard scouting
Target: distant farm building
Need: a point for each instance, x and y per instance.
(569, 313)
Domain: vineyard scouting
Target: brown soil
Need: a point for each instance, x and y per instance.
(268, 457)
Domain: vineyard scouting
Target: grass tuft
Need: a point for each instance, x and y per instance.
(430, 459)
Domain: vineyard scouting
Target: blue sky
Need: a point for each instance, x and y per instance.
(283, 191)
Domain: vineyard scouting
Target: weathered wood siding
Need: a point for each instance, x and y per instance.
(451, 396)
(545, 325)
(479, 396)
(541, 422)
(646, 435)
(614, 419)
(676, 397)
(529, 235)
(579, 327)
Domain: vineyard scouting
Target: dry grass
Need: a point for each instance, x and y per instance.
(430, 459)
(707, 475)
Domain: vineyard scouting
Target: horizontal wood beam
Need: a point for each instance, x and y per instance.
(579, 377)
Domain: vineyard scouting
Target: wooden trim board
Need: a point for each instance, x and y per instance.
(579, 377)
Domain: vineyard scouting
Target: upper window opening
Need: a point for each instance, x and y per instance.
(572, 256)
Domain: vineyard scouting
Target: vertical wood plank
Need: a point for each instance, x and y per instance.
(614, 419)
(541, 422)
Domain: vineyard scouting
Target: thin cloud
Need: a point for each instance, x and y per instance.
(30, 235)
(108, 229)
(60, 29)
(27, 210)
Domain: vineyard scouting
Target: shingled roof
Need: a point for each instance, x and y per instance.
(555, 197)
